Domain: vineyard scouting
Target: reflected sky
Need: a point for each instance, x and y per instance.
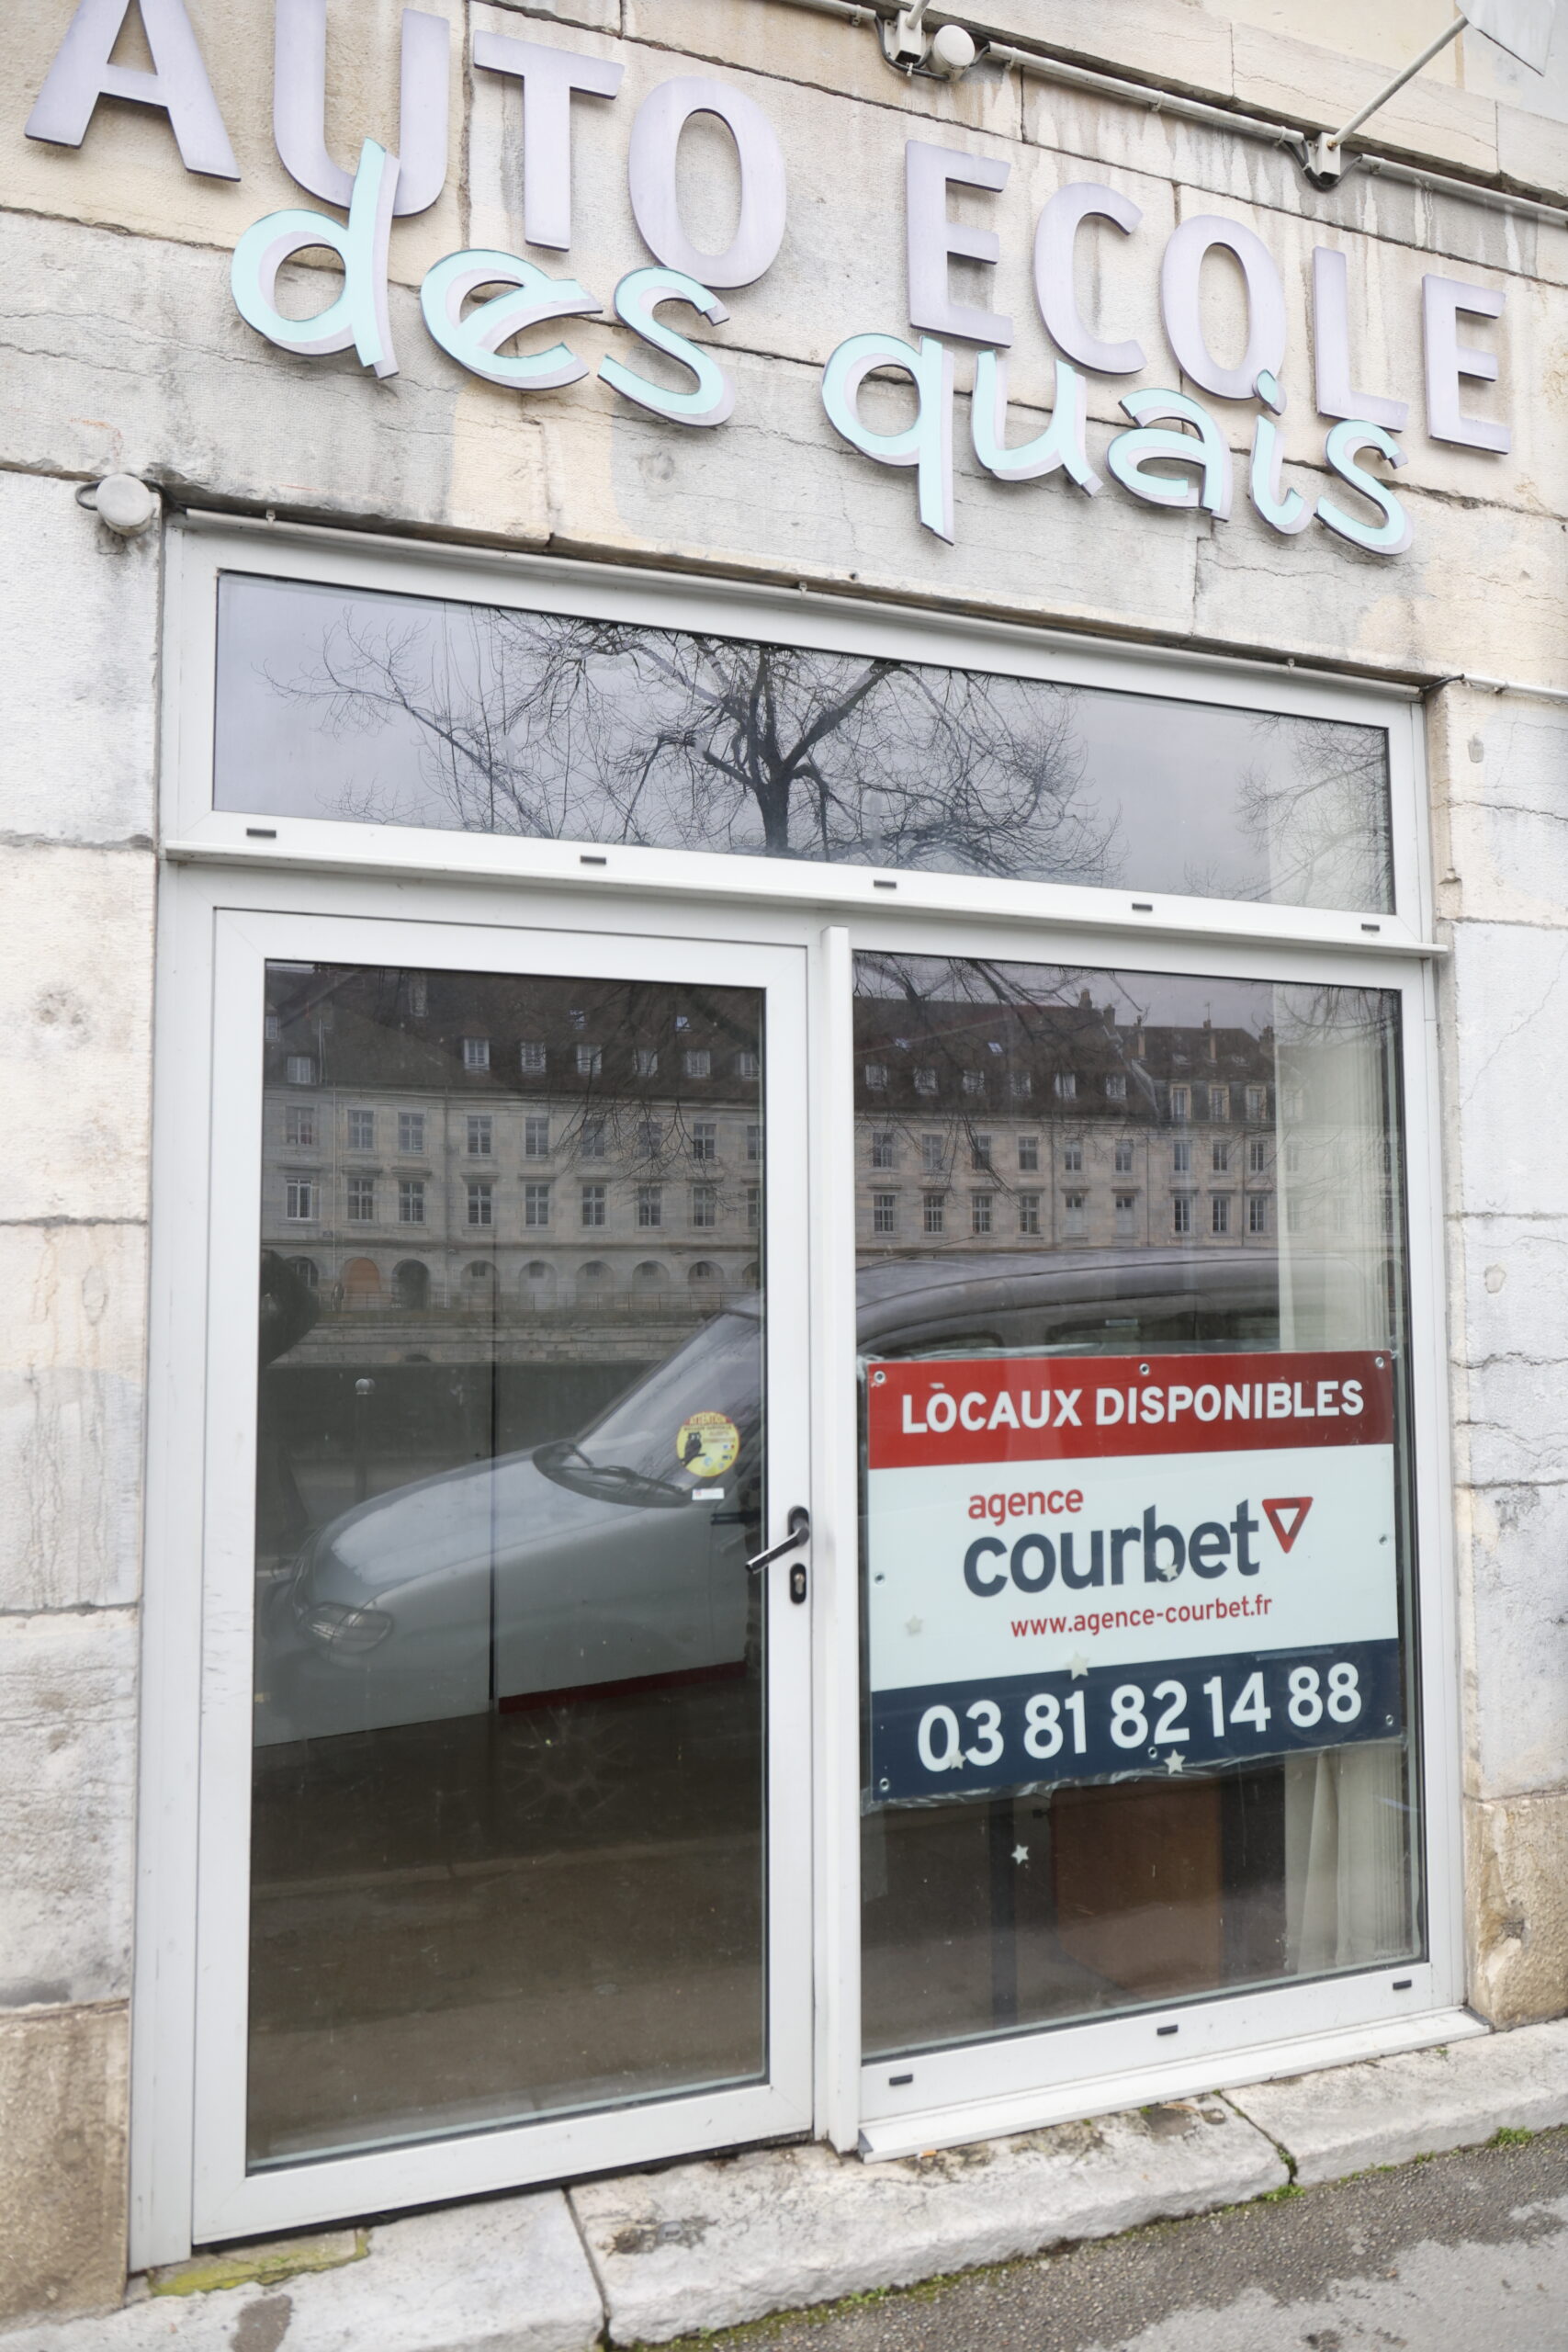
(403, 710)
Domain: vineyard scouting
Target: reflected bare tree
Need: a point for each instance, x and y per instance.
(600, 730)
(1313, 810)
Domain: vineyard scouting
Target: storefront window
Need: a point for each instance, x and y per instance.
(1140, 1707)
(507, 1823)
(379, 709)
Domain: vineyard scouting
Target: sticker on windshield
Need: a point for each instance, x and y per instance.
(706, 1444)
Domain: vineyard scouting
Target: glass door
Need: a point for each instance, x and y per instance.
(510, 1700)
(1140, 1714)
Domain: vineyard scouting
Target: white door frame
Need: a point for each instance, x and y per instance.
(227, 930)
(1028, 2078)
(312, 869)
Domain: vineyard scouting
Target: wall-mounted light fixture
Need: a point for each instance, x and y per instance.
(122, 503)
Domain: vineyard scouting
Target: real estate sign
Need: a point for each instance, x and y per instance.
(1094, 1565)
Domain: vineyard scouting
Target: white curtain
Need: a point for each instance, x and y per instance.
(1346, 1837)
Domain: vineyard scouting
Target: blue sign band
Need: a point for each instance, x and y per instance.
(977, 1738)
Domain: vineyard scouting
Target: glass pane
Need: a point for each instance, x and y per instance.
(378, 709)
(1139, 1707)
(508, 1807)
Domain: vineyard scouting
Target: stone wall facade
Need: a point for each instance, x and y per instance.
(122, 351)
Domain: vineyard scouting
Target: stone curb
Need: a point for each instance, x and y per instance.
(710, 2244)
(503, 2277)
(1420, 2103)
(650, 2257)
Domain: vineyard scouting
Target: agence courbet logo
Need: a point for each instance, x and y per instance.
(477, 303)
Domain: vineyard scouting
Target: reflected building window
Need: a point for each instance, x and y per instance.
(649, 1205)
(481, 1204)
(593, 1203)
(362, 1131)
(533, 1059)
(1181, 1214)
(411, 1133)
(1075, 1215)
(410, 1200)
(410, 1284)
(476, 1053)
(934, 1213)
(884, 1213)
(300, 1069)
(300, 1126)
(536, 1204)
(1028, 1215)
(481, 1135)
(299, 1200)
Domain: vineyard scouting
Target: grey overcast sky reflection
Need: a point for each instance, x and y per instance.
(372, 709)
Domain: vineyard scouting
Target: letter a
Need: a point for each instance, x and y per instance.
(178, 85)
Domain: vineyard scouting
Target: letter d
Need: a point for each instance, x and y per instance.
(927, 443)
(359, 316)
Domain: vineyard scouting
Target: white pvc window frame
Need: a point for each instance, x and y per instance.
(314, 873)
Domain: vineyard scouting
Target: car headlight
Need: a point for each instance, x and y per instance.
(347, 1633)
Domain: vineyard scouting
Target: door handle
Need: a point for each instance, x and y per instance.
(799, 1533)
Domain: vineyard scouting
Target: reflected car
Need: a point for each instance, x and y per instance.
(607, 1561)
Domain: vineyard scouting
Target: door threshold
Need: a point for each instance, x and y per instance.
(1000, 2118)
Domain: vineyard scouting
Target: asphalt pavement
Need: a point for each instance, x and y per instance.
(1465, 2252)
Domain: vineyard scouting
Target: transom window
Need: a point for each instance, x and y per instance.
(375, 707)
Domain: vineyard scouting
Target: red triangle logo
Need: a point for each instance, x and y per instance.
(1287, 1516)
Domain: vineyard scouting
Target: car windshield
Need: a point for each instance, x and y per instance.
(647, 1436)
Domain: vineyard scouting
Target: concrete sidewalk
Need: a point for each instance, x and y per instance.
(650, 2257)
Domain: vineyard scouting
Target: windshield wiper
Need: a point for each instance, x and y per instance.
(610, 1481)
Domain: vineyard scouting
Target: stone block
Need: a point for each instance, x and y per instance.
(1387, 2111)
(128, 174)
(505, 2276)
(75, 1007)
(840, 270)
(1512, 1543)
(1321, 87)
(794, 44)
(711, 2245)
(1481, 589)
(1496, 764)
(781, 487)
(183, 391)
(1516, 1908)
(77, 696)
(72, 1387)
(63, 2094)
(1101, 132)
(1507, 991)
(1532, 150)
(592, 15)
(68, 1778)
